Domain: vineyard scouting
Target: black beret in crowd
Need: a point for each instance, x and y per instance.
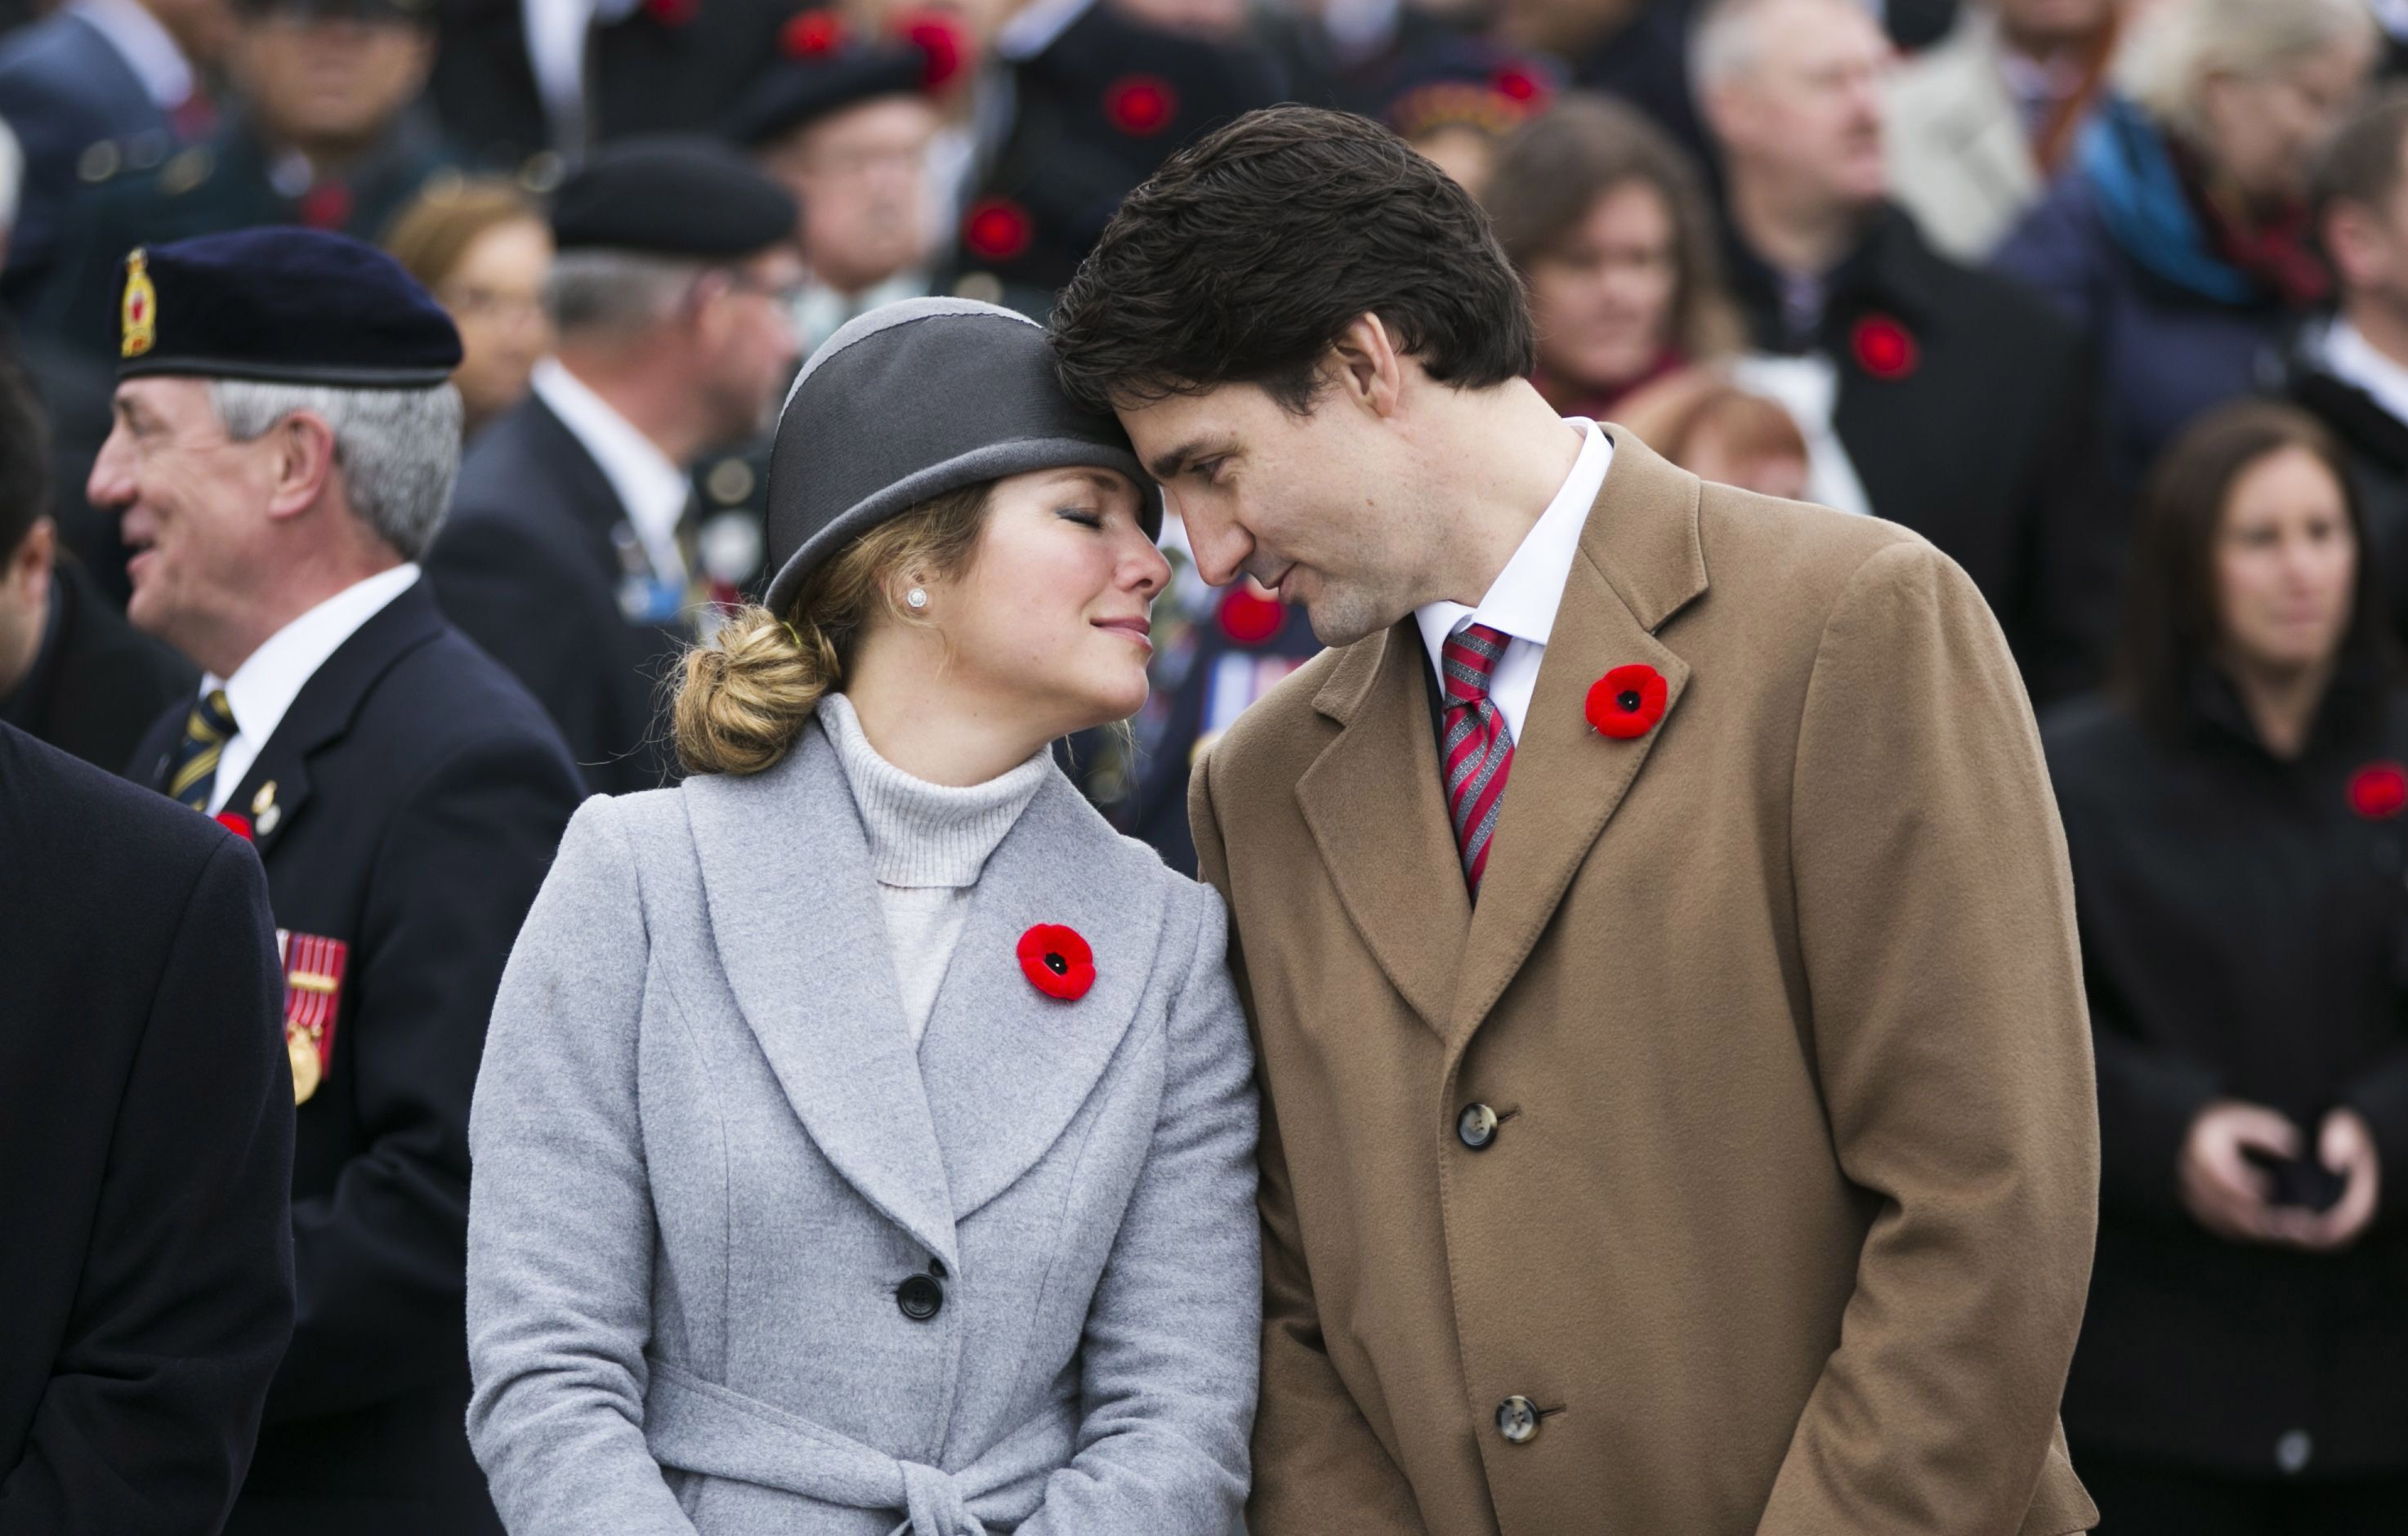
(415, 12)
(825, 72)
(283, 305)
(672, 196)
(913, 400)
(1463, 82)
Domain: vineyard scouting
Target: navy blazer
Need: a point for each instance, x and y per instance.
(417, 797)
(66, 91)
(529, 566)
(145, 1152)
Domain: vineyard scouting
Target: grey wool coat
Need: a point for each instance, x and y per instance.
(707, 1158)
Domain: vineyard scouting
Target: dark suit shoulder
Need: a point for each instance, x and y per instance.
(448, 696)
(93, 829)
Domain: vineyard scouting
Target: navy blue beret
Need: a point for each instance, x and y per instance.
(672, 196)
(293, 306)
(794, 92)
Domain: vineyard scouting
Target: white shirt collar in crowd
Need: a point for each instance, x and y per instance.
(1522, 600)
(649, 484)
(2354, 360)
(263, 687)
(148, 48)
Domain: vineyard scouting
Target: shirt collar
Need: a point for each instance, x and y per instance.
(648, 482)
(263, 687)
(2354, 360)
(148, 49)
(1522, 600)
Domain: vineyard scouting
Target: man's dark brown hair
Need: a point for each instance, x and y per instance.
(2363, 163)
(1249, 253)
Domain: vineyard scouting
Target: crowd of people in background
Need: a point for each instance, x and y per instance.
(2108, 300)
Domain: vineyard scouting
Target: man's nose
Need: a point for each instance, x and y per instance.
(111, 484)
(1220, 547)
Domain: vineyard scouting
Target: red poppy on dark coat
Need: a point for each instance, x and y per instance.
(1516, 84)
(942, 41)
(327, 206)
(1058, 962)
(1141, 103)
(236, 822)
(811, 35)
(996, 229)
(673, 13)
(2379, 790)
(1249, 618)
(1885, 349)
(1626, 702)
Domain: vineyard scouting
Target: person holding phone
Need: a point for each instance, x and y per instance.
(2237, 814)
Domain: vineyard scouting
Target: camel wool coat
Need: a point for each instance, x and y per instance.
(1786, 1222)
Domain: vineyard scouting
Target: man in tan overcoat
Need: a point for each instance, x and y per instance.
(1652, 913)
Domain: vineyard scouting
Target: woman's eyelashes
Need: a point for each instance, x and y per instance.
(1084, 517)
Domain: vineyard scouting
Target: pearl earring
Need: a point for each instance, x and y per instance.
(917, 598)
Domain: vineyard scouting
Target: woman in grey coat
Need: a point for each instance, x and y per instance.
(865, 1137)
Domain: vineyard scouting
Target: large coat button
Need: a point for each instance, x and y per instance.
(1476, 1127)
(921, 1298)
(1517, 1420)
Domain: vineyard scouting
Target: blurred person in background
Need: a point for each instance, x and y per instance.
(1341, 52)
(1607, 220)
(2234, 811)
(97, 88)
(321, 134)
(1087, 101)
(482, 247)
(570, 552)
(528, 88)
(286, 435)
(1933, 396)
(845, 123)
(1981, 122)
(1637, 50)
(73, 672)
(2179, 239)
(1718, 431)
(1457, 101)
(2352, 373)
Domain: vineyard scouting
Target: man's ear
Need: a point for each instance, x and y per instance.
(303, 449)
(1370, 371)
(2354, 237)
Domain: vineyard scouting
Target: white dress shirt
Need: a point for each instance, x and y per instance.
(148, 48)
(650, 485)
(268, 681)
(1522, 600)
(2354, 360)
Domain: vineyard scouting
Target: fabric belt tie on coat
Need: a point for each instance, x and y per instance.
(699, 1426)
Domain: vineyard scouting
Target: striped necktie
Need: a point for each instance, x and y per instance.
(1478, 750)
(205, 732)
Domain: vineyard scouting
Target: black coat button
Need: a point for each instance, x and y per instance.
(1476, 1127)
(921, 1298)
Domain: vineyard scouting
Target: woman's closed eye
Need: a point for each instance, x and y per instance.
(1086, 517)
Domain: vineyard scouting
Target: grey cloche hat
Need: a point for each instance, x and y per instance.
(912, 400)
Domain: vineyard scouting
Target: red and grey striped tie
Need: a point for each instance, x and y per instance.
(1478, 750)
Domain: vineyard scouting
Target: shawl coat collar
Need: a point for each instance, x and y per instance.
(927, 1136)
(1373, 800)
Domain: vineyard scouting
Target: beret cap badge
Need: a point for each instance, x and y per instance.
(140, 310)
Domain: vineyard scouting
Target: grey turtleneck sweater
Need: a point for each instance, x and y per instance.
(928, 845)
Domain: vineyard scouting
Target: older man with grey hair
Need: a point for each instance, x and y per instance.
(284, 446)
(572, 551)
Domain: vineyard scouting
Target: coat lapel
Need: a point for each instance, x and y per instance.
(1007, 1068)
(1377, 813)
(1639, 562)
(786, 870)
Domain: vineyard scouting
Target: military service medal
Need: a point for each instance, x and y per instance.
(313, 990)
(140, 314)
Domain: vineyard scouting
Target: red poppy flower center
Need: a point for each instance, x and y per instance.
(1628, 700)
(2379, 790)
(1141, 103)
(996, 230)
(1056, 964)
